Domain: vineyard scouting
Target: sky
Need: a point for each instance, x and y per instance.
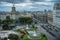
(27, 5)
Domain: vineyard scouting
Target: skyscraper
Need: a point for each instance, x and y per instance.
(56, 14)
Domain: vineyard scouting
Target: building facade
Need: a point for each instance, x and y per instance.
(56, 14)
(50, 17)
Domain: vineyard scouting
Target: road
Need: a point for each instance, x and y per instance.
(42, 30)
(49, 36)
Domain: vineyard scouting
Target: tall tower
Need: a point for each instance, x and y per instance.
(13, 9)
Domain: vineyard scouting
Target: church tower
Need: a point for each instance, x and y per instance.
(13, 9)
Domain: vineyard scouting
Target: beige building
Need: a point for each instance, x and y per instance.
(50, 17)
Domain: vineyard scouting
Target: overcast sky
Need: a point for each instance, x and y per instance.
(27, 5)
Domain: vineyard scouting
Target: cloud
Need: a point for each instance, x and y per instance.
(45, 3)
(5, 4)
(25, 5)
(37, 0)
(35, 6)
(15, 1)
(22, 1)
(53, 0)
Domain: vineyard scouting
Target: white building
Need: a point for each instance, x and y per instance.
(56, 14)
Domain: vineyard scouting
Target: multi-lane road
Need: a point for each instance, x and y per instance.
(51, 35)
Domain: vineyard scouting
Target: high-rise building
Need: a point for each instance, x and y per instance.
(56, 14)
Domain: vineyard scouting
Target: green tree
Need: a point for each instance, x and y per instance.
(6, 27)
(33, 27)
(26, 37)
(25, 20)
(43, 37)
(8, 19)
(0, 21)
(5, 38)
(13, 37)
(13, 21)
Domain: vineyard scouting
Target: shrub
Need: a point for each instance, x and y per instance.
(13, 37)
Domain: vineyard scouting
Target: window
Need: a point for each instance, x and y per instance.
(57, 8)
